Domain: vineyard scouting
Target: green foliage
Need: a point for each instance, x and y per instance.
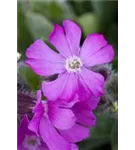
(38, 25)
(93, 144)
(50, 10)
(103, 127)
(104, 133)
(114, 136)
(106, 12)
(24, 38)
(30, 77)
(89, 23)
(80, 7)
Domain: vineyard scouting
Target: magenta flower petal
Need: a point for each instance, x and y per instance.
(38, 107)
(84, 114)
(22, 148)
(22, 129)
(94, 81)
(39, 95)
(59, 41)
(92, 44)
(83, 92)
(86, 117)
(43, 60)
(93, 102)
(49, 117)
(64, 87)
(51, 137)
(26, 137)
(42, 147)
(74, 147)
(75, 134)
(89, 104)
(61, 118)
(19, 137)
(71, 64)
(69, 104)
(104, 55)
(38, 113)
(24, 122)
(73, 34)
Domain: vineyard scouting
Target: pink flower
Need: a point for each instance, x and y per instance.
(61, 124)
(28, 140)
(73, 62)
(85, 119)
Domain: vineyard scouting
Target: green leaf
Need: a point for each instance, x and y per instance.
(115, 63)
(26, 5)
(113, 37)
(52, 10)
(80, 7)
(101, 135)
(114, 136)
(49, 9)
(38, 25)
(103, 127)
(112, 85)
(89, 23)
(30, 77)
(24, 38)
(107, 12)
(113, 40)
(92, 144)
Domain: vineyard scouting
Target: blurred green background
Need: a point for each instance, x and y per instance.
(35, 20)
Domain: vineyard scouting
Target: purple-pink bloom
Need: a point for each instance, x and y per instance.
(28, 140)
(62, 124)
(84, 120)
(73, 62)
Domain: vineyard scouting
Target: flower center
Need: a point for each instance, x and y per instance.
(73, 64)
(31, 142)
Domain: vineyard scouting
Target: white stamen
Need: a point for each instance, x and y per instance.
(73, 64)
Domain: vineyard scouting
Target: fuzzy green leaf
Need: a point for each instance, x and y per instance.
(89, 23)
(103, 127)
(38, 25)
(32, 79)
